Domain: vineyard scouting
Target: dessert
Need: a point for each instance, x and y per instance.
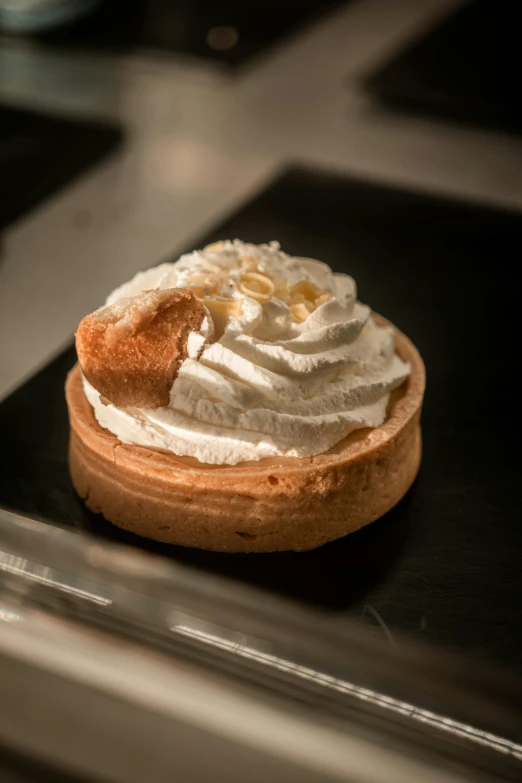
(292, 413)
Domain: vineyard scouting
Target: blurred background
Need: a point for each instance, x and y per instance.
(383, 137)
(146, 122)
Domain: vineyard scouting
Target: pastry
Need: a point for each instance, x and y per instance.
(292, 415)
(131, 351)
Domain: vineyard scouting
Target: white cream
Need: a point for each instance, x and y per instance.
(196, 340)
(271, 385)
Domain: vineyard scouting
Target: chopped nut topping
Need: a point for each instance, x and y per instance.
(258, 287)
(214, 247)
(214, 283)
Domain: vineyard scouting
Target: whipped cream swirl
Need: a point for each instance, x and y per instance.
(299, 363)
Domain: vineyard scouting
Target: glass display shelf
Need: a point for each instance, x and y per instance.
(135, 627)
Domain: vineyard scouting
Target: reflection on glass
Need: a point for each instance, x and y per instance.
(364, 694)
(43, 575)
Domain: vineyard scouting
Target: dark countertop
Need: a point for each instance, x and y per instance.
(443, 566)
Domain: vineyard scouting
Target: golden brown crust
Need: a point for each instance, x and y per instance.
(130, 352)
(266, 506)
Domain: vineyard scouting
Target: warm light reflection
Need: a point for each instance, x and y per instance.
(45, 576)
(222, 38)
(364, 694)
(9, 615)
(185, 164)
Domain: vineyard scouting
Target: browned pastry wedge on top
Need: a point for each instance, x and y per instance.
(130, 351)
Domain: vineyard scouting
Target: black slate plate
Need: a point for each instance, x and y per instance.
(467, 69)
(444, 565)
(41, 153)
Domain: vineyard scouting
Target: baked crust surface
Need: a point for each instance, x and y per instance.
(275, 504)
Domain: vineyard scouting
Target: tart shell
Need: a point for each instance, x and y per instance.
(271, 505)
